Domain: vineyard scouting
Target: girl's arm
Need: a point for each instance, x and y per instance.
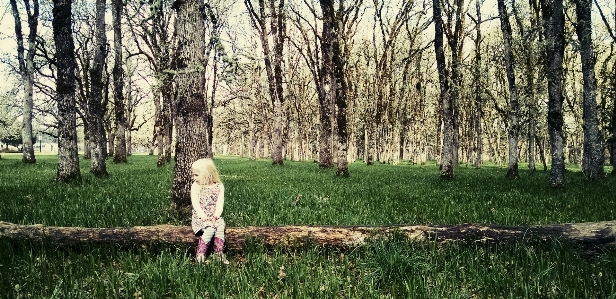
(220, 202)
(194, 198)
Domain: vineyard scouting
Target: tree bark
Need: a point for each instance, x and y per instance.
(532, 122)
(554, 26)
(157, 136)
(612, 138)
(98, 165)
(169, 97)
(119, 153)
(447, 156)
(279, 32)
(341, 93)
(590, 234)
(87, 153)
(478, 103)
(593, 159)
(191, 118)
(455, 39)
(26, 71)
(327, 87)
(514, 118)
(68, 159)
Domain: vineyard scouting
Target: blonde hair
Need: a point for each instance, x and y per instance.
(207, 170)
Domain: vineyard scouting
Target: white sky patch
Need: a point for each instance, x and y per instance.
(8, 46)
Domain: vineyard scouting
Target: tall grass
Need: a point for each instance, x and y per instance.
(258, 193)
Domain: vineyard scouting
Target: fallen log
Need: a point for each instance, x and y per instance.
(590, 233)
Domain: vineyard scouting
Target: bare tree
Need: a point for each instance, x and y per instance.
(318, 58)
(333, 75)
(529, 38)
(592, 162)
(385, 90)
(273, 60)
(478, 94)
(553, 30)
(612, 126)
(118, 84)
(98, 165)
(221, 68)
(26, 71)
(448, 148)
(68, 159)
(341, 86)
(151, 30)
(514, 118)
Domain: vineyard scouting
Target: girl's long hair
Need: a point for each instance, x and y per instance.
(208, 171)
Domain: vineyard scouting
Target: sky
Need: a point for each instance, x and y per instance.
(7, 42)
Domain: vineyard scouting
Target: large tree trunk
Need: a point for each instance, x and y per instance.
(119, 155)
(456, 43)
(326, 86)
(68, 158)
(98, 165)
(593, 159)
(191, 115)
(589, 234)
(514, 119)
(341, 91)
(447, 155)
(26, 71)
(554, 27)
(279, 36)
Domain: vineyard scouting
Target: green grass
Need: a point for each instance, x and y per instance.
(258, 193)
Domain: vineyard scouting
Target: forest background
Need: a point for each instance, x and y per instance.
(333, 82)
(324, 81)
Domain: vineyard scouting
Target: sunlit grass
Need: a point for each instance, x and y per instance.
(257, 193)
(135, 194)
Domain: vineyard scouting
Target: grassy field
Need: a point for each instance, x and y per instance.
(257, 193)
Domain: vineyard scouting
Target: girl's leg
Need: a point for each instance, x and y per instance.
(219, 239)
(219, 243)
(201, 249)
(204, 242)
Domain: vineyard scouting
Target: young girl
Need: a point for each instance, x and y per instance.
(207, 195)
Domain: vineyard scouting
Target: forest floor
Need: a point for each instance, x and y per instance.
(299, 193)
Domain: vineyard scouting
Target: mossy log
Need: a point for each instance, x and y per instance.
(590, 233)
